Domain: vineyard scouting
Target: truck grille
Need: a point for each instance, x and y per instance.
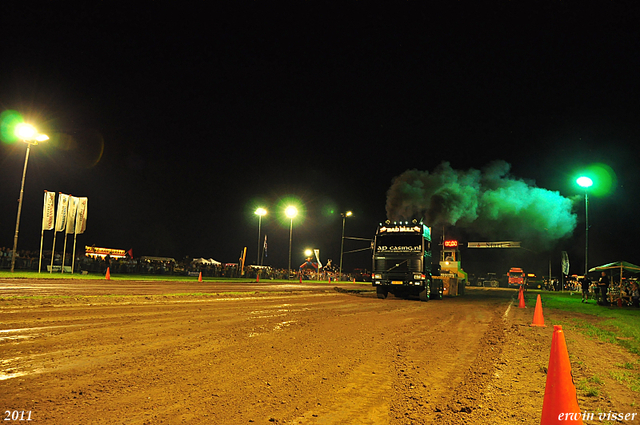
(384, 264)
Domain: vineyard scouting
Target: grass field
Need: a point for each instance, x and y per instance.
(617, 325)
(149, 277)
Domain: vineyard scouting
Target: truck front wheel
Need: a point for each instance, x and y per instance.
(424, 294)
(381, 292)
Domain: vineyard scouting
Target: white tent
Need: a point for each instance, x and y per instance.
(206, 262)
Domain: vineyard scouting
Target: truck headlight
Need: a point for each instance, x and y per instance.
(418, 277)
(377, 276)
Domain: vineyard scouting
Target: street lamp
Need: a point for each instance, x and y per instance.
(290, 212)
(30, 136)
(344, 217)
(586, 183)
(259, 212)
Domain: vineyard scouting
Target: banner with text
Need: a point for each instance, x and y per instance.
(505, 244)
(61, 216)
(48, 210)
(71, 214)
(81, 216)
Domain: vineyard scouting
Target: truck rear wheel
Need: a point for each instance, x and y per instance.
(381, 292)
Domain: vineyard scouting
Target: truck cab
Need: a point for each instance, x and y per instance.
(402, 261)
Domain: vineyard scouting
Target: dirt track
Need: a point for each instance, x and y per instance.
(287, 354)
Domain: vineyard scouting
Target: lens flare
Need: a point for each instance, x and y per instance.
(9, 120)
(604, 179)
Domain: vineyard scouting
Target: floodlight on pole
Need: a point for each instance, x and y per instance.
(290, 212)
(586, 183)
(30, 136)
(344, 217)
(259, 212)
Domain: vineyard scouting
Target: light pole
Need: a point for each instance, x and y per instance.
(30, 136)
(344, 218)
(290, 212)
(259, 212)
(586, 183)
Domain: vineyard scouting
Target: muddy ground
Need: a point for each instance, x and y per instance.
(97, 352)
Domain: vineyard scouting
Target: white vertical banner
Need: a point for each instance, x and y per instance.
(61, 216)
(61, 223)
(70, 227)
(80, 227)
(48, 220)
(565, 263)
(317, 252)
(81, 215)
(48, 210)
(71, 214)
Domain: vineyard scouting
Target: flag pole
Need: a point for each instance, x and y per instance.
(73, 258)
(53, 251)
(64, 250)
(40, 258)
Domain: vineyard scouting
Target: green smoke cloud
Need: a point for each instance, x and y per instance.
(488, 203)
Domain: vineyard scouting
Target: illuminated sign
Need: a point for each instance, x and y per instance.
(416, 248)
(94, 252)
(451, 244)
(507, 244)
(398, 229)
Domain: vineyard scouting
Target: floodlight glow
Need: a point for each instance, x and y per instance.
(308, 252)
(25, 131)
(349, 214)
(261, 212)
(41, 138)
(584, 181)
(604, 179)
(291, 212)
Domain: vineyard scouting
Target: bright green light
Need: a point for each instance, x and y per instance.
(261, 212)
(291, 211)
(601, 180)
(8, 122)
(584, 181)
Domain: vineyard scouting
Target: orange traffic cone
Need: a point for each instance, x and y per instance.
(560, 399)
(538, 318)
(521, 303)
(300, 278)
(257, 278)
(200, 277)
(108, 275)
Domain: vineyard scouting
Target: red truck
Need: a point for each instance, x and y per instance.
(516, 277)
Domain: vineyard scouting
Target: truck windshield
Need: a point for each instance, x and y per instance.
(390, 243)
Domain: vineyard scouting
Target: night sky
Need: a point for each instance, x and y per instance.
(178, 121)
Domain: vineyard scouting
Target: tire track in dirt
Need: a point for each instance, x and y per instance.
(300, 358)
(441, 368)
